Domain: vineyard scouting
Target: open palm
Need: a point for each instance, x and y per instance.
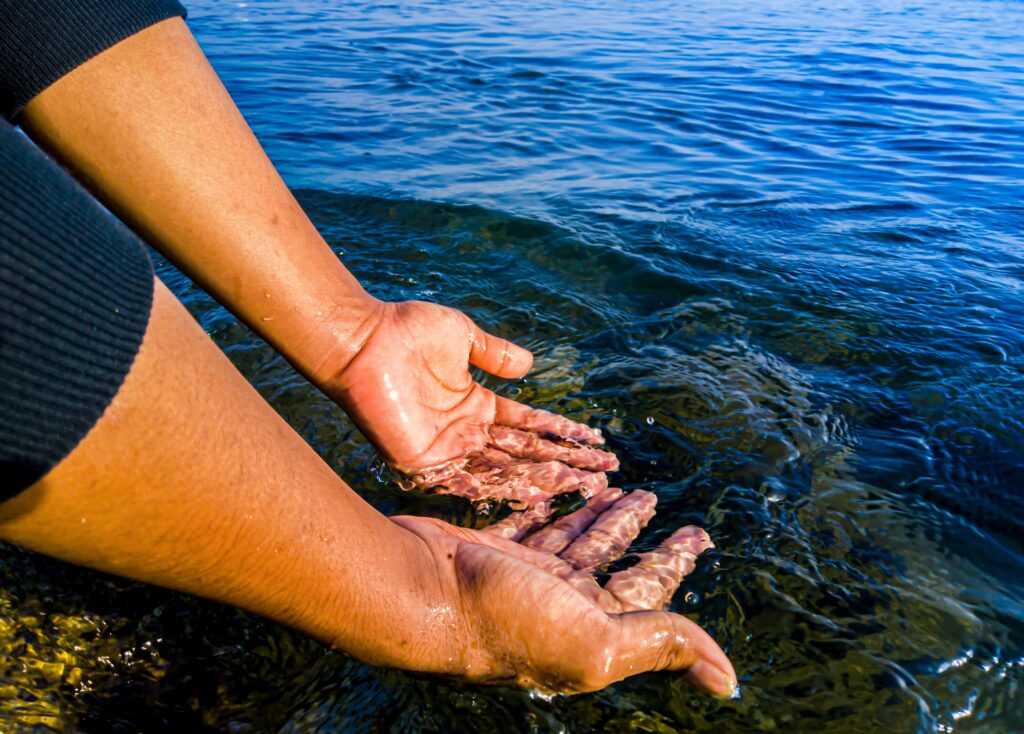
(410, 391)
(538, 617)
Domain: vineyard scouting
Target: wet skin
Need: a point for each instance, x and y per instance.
(190, 480)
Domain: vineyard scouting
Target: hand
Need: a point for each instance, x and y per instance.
(409, 390)
(533, 614)
(408, 387)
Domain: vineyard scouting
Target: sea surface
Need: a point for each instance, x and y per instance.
(774, 249)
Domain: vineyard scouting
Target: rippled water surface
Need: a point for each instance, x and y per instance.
(772, 248)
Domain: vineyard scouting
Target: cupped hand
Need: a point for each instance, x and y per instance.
(409, 390)
(533, 613)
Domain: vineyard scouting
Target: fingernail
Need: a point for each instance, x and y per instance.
(711, 679)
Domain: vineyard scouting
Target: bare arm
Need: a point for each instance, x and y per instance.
(189, 480)
(150, 129)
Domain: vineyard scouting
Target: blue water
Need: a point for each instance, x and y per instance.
(774, 249)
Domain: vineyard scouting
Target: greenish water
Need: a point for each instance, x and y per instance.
(773, 250)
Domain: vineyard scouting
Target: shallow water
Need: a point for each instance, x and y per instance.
(773, 249)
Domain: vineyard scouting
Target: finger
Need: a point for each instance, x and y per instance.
(504, 477)
(585, 583)
(492, 474)
(516, 415)
(556, 537)
(582, 581)
(664, 641)
(495, 355)
(532, 482)
(552, 564)
(612, 532)
(518, 524)
(528, 445)
(651, 583)
(452, 478)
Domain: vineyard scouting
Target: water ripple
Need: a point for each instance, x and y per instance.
(773, 249)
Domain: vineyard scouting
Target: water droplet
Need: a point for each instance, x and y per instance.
(692, 598)
(650, 420)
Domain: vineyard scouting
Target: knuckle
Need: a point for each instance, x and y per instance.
(594, 681)
(665, 655)
(676, 651)
(506, 358)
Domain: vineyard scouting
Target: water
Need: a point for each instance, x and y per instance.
(773, 249)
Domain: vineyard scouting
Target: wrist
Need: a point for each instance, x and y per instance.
(455, 642)
(336, 331)
(384, 604)
(411, 618)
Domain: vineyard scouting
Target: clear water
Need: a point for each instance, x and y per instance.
(773, 248)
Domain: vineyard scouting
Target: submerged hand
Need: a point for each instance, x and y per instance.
(409, 390)
(533, 613)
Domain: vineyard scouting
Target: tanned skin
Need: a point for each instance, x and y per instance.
(148, 127)
(191, 481)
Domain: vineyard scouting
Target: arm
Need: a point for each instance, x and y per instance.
(150, 129)
(191, 481)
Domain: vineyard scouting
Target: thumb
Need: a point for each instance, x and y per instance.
(665, 641)
(497, 356)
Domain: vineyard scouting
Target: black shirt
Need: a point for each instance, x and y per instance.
(76, 285)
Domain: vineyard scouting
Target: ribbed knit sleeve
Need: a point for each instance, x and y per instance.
(42, 40)
(76, 288)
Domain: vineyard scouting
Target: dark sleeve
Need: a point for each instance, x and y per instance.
(42, 40)
(76, 288)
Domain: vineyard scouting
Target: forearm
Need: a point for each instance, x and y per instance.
(148, 126)
(191, 481)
